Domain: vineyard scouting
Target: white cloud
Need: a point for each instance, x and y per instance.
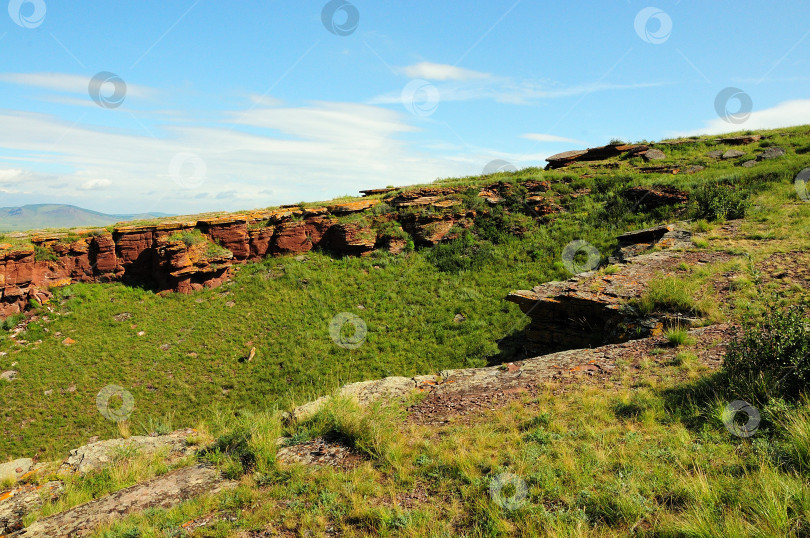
(785, 114)
(553, 139)
(96, 184)
(10, 174)
(67, 83)
(504, 90)
(432, 71)
(311, 152)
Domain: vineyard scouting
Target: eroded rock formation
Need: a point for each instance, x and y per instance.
(592, 309)
(189, 255)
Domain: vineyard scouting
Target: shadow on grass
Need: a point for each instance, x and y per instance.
(692, 402)
(511, 348)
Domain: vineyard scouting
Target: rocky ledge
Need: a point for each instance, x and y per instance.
(184, 256)
(594, 308)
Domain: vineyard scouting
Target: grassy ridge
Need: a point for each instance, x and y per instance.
(187, 362)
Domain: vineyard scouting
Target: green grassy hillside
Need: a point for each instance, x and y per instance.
(641, 451)
(188, 358)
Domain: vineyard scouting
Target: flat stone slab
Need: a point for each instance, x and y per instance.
(99, 454)
(363, 393)
(18, 502)
(740, 140)
(161, 492)
(590, 308)
(13, 470)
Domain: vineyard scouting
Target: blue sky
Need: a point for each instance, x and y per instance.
(225, 105)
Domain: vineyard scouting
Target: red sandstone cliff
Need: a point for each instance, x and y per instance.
(157, 253)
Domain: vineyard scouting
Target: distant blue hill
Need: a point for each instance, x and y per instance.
(40, 216)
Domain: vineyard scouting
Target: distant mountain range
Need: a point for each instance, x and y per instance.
(39, 216)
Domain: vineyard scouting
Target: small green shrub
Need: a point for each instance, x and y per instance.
(772, 357)
(42, 254)
(189, 237)
(462, 254)
(12, 321)
(236, 445)
(721, 201)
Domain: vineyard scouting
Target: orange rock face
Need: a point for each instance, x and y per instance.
(302, 236)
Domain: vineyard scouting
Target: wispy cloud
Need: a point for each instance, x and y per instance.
(96, 184)
(67, 83)
(432, 71)
(553, 139)
(507, 90)
(784, 114)
(325, 149)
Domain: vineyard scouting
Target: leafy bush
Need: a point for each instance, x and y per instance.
(772, 357)
(189, 237)
(720, 201)
(462, 254)
(42, 254)
(499, 225)
(11, 321)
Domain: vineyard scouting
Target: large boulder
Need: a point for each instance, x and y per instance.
(771, 153)
(733, 154)
(654, 155)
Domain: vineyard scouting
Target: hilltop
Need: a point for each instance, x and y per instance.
(542, 352)
(42, 216)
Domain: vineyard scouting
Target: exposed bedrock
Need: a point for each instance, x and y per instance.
(189, 255)
(591, 309)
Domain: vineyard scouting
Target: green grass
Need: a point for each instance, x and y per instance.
(648, 455)
(678, 337)
(188, 237)
(673, 294)
(192, 345)
(595, 460)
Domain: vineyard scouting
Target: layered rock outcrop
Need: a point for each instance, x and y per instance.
(592, 309)
(189, 255)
